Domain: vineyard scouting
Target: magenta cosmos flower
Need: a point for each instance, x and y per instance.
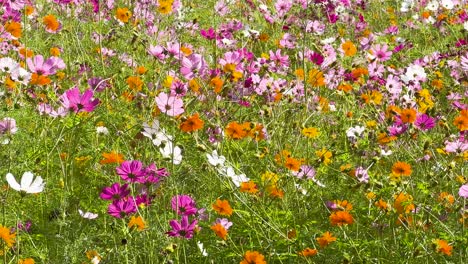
(121, 208)
(170, 105)
(76, 102)
(183, 205)
(132, 171)
(115, 192)
(424, 122)
(182, 229)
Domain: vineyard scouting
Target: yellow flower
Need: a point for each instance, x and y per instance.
(311, 132)
(137, 222)
(324, 155)
(123, 14)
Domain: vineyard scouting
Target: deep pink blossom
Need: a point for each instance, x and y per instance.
(76, 102)
(122, 208)
(115, 192)
(132, 171)
(182, 229)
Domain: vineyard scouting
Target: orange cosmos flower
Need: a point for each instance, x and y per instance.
(275, 192)
(443, 247)
(37, 79)
(217, 84)
(249, 187)
(14, 28)
(141, 70)
(340, 218)
(26, 261)
(408, 115)
(461, 121)
(194, 86)
(7, 237)
(235, 130)
(308, 252)
(222, 207)
(112, 157)
(135, 83)
(446, 198)
(137, 222)
(219, 230)
(326, 239)
(401, 169)
(382, 205)
(316, 78)
(123, 14)
(343, 205)
(403, 203)
(292, 164)
(51, 23)
(349, 48)
(55, 51)
(192, 123)
(253, 257)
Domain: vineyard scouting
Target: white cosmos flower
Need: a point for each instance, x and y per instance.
(237, 179)
(215, 159)
(27, 184)
(157, 135)
(87, 215)
(171, 152)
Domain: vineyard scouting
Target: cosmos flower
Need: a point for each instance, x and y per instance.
(76, 102)
(27, 184)
(182, 228)
(170, 105)
(122, 208)
(132, 171)
(183, 205)
(115, 192)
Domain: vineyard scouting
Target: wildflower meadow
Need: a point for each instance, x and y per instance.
(233, 131)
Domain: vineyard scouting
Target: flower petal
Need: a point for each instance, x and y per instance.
(26, 180)
(12, 182)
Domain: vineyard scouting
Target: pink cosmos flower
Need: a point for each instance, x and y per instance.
(192, 65)
(8, 126)
(74, 101)
(132, 171)
(183, 205)
(157, 51)
(170, 105)
(115, 192)
(224, 222)
(380, 52)
(121, 208)
(48, 67)
(458, 146)
(463, 192)
(182, 229)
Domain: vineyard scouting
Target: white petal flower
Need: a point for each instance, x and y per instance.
(215, 160)
(27, 184)
(87, 215)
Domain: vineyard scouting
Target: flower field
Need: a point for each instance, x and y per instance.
(233, 131)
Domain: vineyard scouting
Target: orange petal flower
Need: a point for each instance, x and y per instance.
(192, 123)
(253, 257)
(340, 218)
(326, 239)
(222, 207)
